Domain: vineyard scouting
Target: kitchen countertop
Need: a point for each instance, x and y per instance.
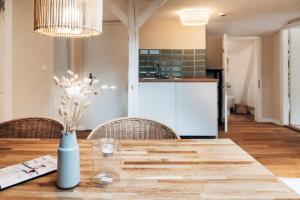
(179, 80)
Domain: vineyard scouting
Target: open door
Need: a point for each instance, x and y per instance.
(225, 80)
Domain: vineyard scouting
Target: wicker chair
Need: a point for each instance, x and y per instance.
(133, 129)
(31, 128)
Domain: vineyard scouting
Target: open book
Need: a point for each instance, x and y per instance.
(21, 172)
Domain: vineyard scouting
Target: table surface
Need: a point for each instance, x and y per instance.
(164, 169)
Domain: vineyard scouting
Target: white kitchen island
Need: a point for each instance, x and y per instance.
(189, 106)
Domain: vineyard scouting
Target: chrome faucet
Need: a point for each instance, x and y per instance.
(157, 70)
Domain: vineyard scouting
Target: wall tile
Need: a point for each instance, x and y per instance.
(200, 51)
(173, 62)
(189, 51)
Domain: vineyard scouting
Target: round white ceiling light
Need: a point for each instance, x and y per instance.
(194, 17)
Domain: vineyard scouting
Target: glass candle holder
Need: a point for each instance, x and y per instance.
(106, 161)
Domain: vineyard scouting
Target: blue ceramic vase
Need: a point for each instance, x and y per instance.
(68, 162)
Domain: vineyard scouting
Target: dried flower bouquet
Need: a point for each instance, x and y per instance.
(76, 98)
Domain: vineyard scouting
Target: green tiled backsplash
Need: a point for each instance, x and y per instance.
(173, 62)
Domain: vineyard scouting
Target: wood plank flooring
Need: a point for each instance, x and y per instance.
(276, 147)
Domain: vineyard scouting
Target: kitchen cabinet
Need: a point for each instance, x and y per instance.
(196, 109)
(190, 108)
(157, 101)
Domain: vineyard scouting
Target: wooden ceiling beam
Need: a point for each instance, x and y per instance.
(149, 11)
(116, 10)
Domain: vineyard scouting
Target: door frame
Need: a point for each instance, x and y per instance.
(285, 70)
(224, 84)
(257, 42)
(284, 93)
(285, 99)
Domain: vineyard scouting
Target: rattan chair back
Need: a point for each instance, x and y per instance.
(133, 129)
(31, 128)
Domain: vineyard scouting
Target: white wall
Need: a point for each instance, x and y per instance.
(242, 71)
(171, 35)
(6, 61)
(294, 76)
(60, 67)
(1, 67)
(32, 65)
(107, 59)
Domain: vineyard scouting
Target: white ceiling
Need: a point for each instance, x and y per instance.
(244, 17)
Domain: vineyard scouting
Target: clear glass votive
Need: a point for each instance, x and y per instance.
(106, 161)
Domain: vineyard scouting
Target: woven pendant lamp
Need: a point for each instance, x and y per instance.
(68, 18)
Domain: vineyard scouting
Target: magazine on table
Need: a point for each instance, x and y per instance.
(25, 171)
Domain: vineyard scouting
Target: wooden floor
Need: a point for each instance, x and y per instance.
(276, 147)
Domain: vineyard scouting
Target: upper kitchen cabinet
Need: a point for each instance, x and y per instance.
(214, 52)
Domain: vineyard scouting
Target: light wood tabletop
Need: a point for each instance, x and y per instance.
(164, 169)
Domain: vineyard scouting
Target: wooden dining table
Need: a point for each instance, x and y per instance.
(155, 169)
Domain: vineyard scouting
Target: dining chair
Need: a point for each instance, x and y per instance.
(34, 127)
(133, 128)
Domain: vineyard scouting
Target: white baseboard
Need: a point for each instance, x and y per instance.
(266, 120)
(274, 121)
(277, 122)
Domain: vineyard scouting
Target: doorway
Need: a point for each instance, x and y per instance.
(106, 58)
(244, 78)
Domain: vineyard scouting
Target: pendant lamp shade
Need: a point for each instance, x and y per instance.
(68, 18)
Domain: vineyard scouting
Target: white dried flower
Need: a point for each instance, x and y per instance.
(68, 96)
(73, 102)
(104, 87)
(63, 102)
(56, 80)
(87, 80)
(87, 104)
(70, 73)
(78, 82)
(65, 113)
(113, 87)
(61, 110)
(88, 92)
